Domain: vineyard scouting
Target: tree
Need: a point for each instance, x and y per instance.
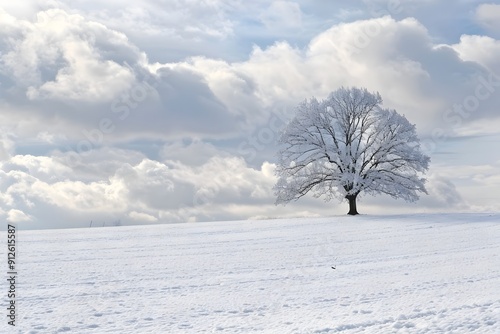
(345, 145)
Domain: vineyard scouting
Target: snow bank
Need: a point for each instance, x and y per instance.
(393, 274)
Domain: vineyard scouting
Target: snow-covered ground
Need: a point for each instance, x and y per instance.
(393, 274)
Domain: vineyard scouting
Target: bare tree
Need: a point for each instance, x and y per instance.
(348, 144)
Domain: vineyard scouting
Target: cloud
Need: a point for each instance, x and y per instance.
(215, 99)
(65, 74)
(168, 191)
(148, 184)
(397, 58)
(168, 30)
(17, 216)
(37, 166)
(444, 193)
(483, 50)
(488, 15)
(186, 19)
(482, 127)
(477, 182)
(6, 146)
(221, 188)
(142, 217)
(221, 179)
(62, 56)
(193, 153)
(282, 15)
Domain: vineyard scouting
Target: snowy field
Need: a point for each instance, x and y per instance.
(393, 274)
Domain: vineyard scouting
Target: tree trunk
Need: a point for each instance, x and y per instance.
(352, 204)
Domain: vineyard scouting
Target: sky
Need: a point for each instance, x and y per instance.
(168, 111)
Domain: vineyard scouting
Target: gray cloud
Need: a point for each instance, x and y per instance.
(444, 194)
(65, 80)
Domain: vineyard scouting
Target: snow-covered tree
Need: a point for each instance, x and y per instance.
(348, 144)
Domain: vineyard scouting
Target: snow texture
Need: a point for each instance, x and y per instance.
(393, 274)
(347, 144)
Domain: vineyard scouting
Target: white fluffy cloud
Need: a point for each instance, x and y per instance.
(17, 216)
(483, 50)
(63, 57)
(145, 191)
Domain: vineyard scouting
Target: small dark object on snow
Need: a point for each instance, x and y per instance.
(333, 267)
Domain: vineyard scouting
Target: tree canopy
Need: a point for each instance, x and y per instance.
(348, 144)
